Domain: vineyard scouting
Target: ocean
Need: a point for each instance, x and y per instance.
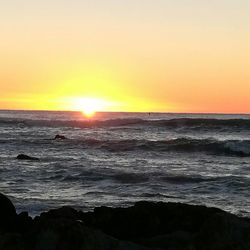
(116, 159)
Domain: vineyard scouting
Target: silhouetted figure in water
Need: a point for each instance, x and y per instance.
(61, 137)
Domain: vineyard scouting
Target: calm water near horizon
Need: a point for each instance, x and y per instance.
(116, 159)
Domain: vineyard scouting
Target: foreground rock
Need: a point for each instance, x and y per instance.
(173, 226)
(7, 213)
(144, 226)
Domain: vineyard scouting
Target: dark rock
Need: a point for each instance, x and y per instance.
(63, 212)
(26, 157)
(61, 137)
(10, 222)
(172, 226)
(7, 213)
(66, 234)
(146, 225)
(224, 231)
(11, 241)
(147, 219)
(7, 208)
(23, 222)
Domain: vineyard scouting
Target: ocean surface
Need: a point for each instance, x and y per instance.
(116, 159)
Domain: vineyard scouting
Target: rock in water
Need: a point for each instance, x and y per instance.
(26, 157)
(61, 137)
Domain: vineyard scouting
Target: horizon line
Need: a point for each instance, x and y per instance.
(152, 112)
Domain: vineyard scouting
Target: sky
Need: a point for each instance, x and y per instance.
(132, 55)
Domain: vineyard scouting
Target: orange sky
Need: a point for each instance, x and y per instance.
(173, 56)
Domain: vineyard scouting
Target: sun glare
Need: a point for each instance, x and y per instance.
(89, 106)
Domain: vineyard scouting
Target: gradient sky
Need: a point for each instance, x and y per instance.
(139, 55)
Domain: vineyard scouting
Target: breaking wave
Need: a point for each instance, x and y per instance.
(240, 148)
(188, 145)
(139, 178)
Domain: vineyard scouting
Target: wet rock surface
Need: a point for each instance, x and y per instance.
(146, 225)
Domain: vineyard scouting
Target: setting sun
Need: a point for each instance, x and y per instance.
(88, 105)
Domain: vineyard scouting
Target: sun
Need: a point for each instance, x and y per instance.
(89, 105)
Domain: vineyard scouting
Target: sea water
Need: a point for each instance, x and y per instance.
(116, 159)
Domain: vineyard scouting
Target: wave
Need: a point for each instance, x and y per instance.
(193, 123)
(130, 177)
(240, 148)
(140, 178)
(205, 123)
(73, 123)
(225, 181)
(188, 145)
(182, 179)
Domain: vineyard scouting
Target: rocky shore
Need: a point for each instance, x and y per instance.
(146, 225)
